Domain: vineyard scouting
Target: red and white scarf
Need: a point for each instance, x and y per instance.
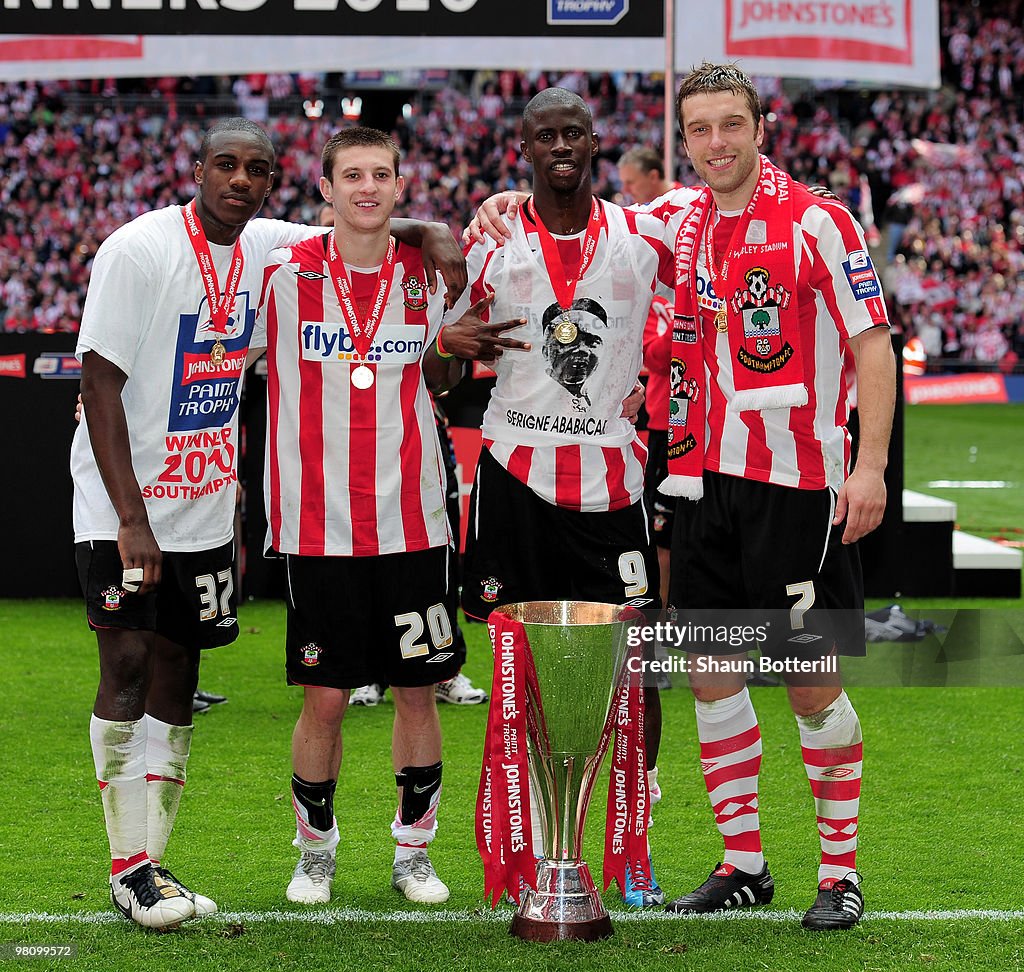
(757, 291)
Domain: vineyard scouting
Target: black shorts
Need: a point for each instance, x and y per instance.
(195, 604)
(522, 548)
(763, 547)
(660, 508)
(357, 620)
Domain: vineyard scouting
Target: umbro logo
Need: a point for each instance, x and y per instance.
(310, 275)
(440, 657)
(227, 622)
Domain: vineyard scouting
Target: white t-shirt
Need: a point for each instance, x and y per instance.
(147, 312)
(554, 417)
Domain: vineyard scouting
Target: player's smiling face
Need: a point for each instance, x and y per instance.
(363, 188)
(722, 142)
(560, 144)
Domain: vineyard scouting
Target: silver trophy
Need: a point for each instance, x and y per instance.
(578, 650)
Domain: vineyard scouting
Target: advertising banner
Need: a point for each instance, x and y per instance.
(892, 42)
(142, 38)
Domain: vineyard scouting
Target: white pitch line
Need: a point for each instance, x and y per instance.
(971, 484)
(348, 916)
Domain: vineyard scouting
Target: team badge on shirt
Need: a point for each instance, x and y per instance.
(764, 348)
(111, 599)
(311, 654)
(491, 586)
(415, 293)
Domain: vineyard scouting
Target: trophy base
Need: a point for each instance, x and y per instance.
(565, 907)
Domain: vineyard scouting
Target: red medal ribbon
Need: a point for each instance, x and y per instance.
(220, 306)
(503, 829)
(562, 284)
(625, 841)
(362, 332)
(720, 280)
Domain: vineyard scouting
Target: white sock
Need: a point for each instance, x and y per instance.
(308, 837)
(167, 749)
(654, 796)
(652, 785)
(119, 755)
(415, 837)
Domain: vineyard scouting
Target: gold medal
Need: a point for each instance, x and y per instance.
(722, 319)
(217, 352)
(565, 331)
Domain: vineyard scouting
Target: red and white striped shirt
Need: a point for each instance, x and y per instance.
(351, 472)
(657, 358)
(554, 417)
(839, 297)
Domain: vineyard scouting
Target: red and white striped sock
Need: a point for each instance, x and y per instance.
(833, 757)
(119, 755)
(730, 758)
(167, 749)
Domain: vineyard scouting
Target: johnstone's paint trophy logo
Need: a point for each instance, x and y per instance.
(597, 13)
(204, 394)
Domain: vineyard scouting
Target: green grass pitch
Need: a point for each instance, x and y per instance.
(940, 825)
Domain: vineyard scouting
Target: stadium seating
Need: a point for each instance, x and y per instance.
(940, 170)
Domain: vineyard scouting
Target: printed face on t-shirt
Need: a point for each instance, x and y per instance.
(571, 364)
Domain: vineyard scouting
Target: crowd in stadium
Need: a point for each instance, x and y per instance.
(935, 176)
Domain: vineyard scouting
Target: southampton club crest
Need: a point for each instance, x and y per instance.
(682, 391)
(490, 587)
(763, 350)
(311, 654)
(415, 293)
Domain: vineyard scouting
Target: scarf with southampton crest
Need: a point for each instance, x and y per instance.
(757, 291)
